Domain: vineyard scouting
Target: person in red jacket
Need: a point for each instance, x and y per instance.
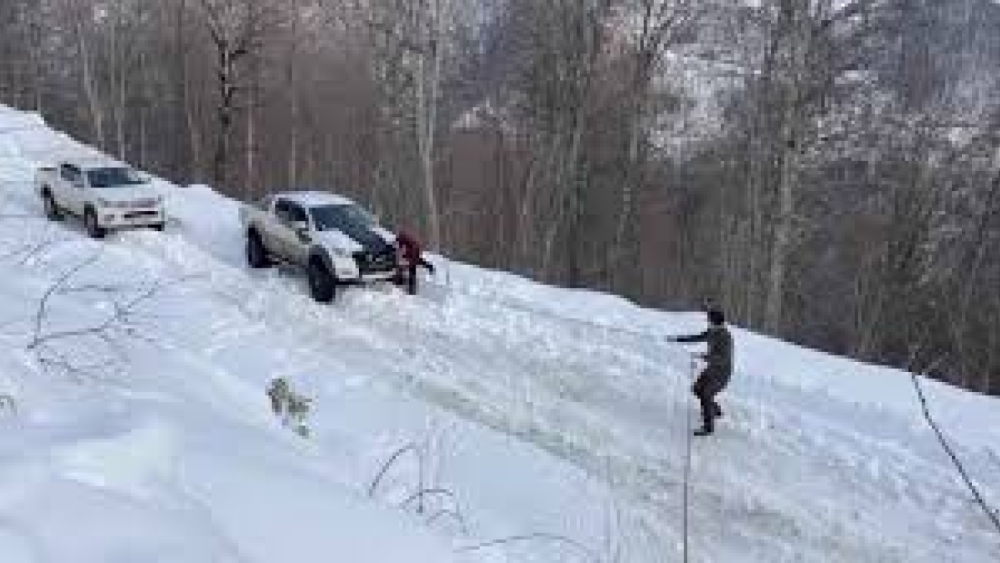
(410, 257)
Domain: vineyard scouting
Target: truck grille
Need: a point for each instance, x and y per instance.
(141, 203)
(370, 263)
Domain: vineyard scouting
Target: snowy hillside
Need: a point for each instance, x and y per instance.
(554, 420)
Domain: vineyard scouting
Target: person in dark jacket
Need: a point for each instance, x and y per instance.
(410, 257)
(715, 376)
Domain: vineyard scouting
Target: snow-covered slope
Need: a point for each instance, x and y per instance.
(556, 419)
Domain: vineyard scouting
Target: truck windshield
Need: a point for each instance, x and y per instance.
(346, 218)
(113, 177)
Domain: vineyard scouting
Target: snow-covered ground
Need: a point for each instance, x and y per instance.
(555, 419)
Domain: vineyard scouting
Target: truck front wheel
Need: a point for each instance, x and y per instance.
(322, 284)
(51, 209)
(94, 228)
(256, 253)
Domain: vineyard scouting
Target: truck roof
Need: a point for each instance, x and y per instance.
(313, 198)
(89, 162)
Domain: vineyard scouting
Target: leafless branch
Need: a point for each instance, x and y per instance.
(52, 360)
(428, 492)
(408, 448)
(123, 316)
(122, 320)
(452, 514)
(540, 536)
(28, 250)
(53, 290)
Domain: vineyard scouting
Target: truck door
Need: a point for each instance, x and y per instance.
(289, 241)
(70, 188)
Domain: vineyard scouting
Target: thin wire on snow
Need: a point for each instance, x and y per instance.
(687, 467)
(990, 513)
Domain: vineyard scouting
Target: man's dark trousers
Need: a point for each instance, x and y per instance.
(709, 384)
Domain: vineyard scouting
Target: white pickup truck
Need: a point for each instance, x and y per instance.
(334, 239)
(105, 193)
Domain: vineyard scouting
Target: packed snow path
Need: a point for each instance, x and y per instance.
(817, 459)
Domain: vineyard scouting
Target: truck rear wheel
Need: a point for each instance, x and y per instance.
(51, 209)
(322, 284)
(256, 253)
(94, 229)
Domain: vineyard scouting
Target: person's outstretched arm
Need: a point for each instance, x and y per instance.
(703, 337)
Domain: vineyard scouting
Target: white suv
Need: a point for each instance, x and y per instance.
(105, 193)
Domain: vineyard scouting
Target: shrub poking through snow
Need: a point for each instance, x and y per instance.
(7, 403)
(289, 406)
(425, 496)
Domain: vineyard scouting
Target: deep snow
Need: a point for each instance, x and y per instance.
(540, 411)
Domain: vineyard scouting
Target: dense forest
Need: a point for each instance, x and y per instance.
(828, 170)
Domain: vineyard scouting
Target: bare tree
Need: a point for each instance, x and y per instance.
(808, 45)
(414, 38)
(238, 29)
(79, 14)
(662, 25)
(563, 42)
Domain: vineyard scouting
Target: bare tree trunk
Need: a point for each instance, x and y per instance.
(623, 247)
(526, 211)
(90, 88)
(143, 145)
(565, 183)
(661, 22)
(962, 330)
(197, 160)
(293, 91)
(186, 113)
(428, 98)
(37, 60)
(783, 229)
(250, 182)
(224, 112)
(794, 28)
(144, 113)
(237, 29)
(118, 79)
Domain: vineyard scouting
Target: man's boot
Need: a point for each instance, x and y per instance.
(707, 417)
(411, 279)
